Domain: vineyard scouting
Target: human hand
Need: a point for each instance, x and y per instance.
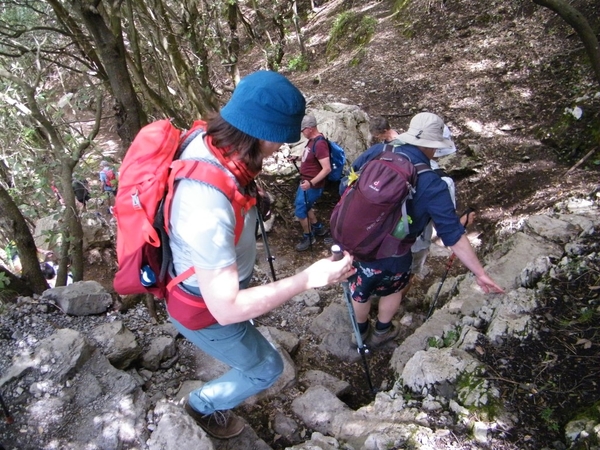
(488, 285)
(467, 217)
(305, 185)
(327, 271)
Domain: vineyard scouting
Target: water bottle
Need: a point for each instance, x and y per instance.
(401, 229)
(147, 277)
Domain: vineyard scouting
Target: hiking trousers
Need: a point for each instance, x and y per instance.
(255, 364)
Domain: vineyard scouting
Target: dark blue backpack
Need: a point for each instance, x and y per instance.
(337, 157)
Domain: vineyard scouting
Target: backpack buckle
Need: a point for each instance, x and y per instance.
(135, 201)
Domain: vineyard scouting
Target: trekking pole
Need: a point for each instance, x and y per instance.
(263, 232)
(361, 346)
(306, 205)
(437, 294)
(8, 417)
(448, 267)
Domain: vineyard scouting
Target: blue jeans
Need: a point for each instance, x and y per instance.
(255, 364)
(305, 200)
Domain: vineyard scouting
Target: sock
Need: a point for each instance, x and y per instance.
(306, 235)
(380, 326)
(362, 327)
(317, 226)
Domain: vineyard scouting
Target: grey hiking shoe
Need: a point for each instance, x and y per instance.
(320, 231)
(364, 336)
(306, 242)
(220, 424)
(379, 338)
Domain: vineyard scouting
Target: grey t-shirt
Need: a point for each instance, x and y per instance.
(202, 222)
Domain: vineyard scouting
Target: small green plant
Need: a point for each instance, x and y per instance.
(547, 416)
(434, 342)
(587, 315)
(358, 57)
(298, 63)
(4, 281)
(451, 337)
(448, 339)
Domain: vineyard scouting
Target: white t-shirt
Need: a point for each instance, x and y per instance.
(424, 239)
(201, 226)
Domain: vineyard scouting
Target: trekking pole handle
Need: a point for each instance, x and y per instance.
(337, 252)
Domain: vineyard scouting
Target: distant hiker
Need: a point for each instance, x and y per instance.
(381, 130)
(48, 270)
(420, 249)
(314, 169)
(81, 191)
(108, 182)
(59, 197)
(431, 202)
(213, 307)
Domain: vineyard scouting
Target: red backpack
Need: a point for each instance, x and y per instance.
(109, 177)
(370, 220)
(142, 205)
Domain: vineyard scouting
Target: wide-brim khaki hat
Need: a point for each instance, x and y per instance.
(426, 130)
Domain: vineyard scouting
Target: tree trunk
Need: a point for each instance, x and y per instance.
(111, 49)
(15, 285)
(13, 223)
(581, 26)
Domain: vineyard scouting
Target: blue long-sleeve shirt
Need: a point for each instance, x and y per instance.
(431, 201)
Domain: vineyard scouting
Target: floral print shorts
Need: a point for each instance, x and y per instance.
(368, 281)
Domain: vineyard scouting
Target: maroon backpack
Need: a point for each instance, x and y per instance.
(370, 219)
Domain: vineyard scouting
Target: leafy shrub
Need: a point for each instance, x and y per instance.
(349, 31)
(298, 63)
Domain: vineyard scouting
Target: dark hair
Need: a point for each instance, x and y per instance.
(379, 125)
(225, 135)
(47, 270)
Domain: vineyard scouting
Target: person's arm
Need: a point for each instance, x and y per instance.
(325, 170)
(321, 153)
(229, 304)
(465, 253)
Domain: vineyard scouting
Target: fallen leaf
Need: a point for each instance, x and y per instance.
(585, 342)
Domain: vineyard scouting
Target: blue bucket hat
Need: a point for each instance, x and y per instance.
(267, 106)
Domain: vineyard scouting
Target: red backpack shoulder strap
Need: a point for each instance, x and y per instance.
(215, 176)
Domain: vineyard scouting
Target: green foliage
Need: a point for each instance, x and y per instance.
(448, 339)
(4, 281)
(451, 337)
(406, 27)
(358, 57)
(434, 342)
(587, 315)
(349, 31)
(298, 63)
(547, 415)
(400, 5)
